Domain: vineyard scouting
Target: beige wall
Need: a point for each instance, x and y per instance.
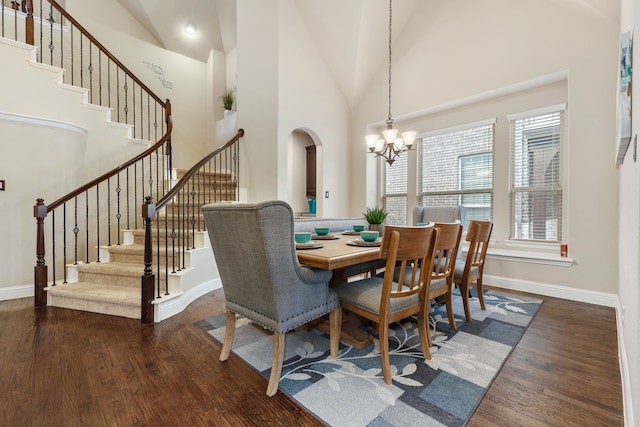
(444, 69)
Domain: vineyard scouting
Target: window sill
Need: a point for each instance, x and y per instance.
(530, 257)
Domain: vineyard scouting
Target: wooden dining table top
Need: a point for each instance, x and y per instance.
(337, 254)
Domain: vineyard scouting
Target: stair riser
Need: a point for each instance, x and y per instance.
(95, 306)
(138, 259)
(115, 280)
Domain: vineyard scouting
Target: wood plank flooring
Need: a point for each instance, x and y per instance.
(60, 367)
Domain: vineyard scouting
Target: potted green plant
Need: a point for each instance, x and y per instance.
(375, 217)
(227, 100)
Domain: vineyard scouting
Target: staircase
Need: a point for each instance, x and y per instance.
(132, 241)
(112, 286)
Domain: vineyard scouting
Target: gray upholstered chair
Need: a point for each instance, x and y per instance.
(262, 279)
(422, 214)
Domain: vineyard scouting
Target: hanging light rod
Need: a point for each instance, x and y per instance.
(390, 145)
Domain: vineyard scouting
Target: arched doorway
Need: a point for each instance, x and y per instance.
(304, 173)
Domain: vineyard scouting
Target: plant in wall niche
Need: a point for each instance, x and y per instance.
(227, 99)
(375, 215)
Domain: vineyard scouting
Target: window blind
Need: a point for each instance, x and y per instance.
(536, 192)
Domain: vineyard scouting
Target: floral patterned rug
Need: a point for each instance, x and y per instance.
(349, 390)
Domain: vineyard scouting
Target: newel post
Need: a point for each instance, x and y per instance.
(148, 279)
(40, 270)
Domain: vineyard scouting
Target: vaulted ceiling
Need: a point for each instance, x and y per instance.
(351, 35)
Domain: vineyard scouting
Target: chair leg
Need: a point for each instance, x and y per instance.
(383, 338)
(480, 292)
(452, 321)
(464, 292)
(424, 331)
(276, 365)
(335, 325)
(230, 328)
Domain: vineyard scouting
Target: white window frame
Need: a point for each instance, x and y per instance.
(562, 226)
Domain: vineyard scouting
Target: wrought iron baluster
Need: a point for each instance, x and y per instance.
(81, 62)
(86, 204)
(51, 46)
(90, 69)
(135, 193)
(118, 214)
(53, 246)
(126, 100)
(97, 220)
(64, 241)
(72, 61)
(128, 203)
(109, 212)
(75, 231)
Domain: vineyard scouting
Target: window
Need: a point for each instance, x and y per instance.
(394, 190)
(536, 192)
(456, 167)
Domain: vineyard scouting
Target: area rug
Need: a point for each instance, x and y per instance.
(349, 390)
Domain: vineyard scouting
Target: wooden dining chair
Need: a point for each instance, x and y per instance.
(471, 270)
(444, 262)
(384, 301)
(262, 278)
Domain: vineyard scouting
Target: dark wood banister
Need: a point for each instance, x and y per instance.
(115, 171)
(149, 211)
(185, 178)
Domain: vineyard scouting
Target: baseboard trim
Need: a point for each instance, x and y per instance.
(551, 290)
(175, 305)
(627, 402)
(15, 292)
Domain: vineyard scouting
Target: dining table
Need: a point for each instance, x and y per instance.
(346, 256)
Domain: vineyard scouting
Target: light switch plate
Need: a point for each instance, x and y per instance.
(1, 184)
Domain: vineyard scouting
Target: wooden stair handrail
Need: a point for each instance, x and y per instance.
(185, 178)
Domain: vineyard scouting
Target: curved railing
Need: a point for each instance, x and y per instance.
(85, 221)
(177, 218)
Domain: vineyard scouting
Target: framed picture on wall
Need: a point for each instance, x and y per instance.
(626, 69)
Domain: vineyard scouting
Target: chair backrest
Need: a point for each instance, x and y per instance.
(478, 238)
(254, 250)
(446, 250)
(422, 214)
(406, 248)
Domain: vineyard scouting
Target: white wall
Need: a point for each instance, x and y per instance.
(311, 100)
(629, 245)
(257, 97)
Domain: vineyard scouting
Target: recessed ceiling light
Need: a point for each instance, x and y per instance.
(190, 29)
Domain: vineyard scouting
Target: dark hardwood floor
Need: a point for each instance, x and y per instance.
(61, 367)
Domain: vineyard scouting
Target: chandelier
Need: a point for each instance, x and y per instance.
(392, 143)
